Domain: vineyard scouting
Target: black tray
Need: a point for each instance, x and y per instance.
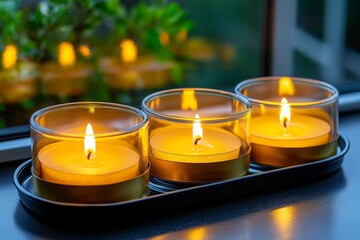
(157, 202)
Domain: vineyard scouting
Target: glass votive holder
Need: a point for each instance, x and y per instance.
(293, 121)
(90, 152)
(18, 83)
(144, 73)
(197, 135)
(65, 81)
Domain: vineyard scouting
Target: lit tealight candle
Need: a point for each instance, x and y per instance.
(88, 162)
(294, 120)
(289, 131)
(17, 77)
(66, 77)
(197, 135)
(194, 145)
(131, 71)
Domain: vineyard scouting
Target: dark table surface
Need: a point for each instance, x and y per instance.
(323, 208)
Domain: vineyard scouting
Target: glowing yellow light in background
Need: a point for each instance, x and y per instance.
(286, 86)
(128, 50)
(66, 54)
(9, 56)
(164, 38)
(188, 100)
(84, 50)
(182, 35)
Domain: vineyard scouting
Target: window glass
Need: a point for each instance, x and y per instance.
(326, 43)
(63, 51)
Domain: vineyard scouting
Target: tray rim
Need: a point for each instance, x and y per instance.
(29, 199)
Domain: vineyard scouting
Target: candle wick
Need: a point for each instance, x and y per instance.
(285, 122)
(196, 140)
(89, 155)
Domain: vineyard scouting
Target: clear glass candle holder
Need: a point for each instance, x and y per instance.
(294, 120)
(90, 152)
(60, 81)
(197, 135)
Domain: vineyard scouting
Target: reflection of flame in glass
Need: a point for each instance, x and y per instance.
(245, 92)
(285, 113)
(188, 100)
(164, 38)
(66, 54)
(262, 109)
(84, 50)
(9, 56)
(197, 131)
(143, 135)
(128, 50)
(286, 86)
(284, 221)
(89, 142)
(182, 35)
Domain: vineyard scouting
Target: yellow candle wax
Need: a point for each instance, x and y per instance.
(303, 131)
(176, 144)
(66, 163)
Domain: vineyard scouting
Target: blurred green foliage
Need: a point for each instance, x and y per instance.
(99, 23)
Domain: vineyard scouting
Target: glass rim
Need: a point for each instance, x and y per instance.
(304, 81)
(180, 119)
(35, 126)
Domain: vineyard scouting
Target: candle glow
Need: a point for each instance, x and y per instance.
(285, 113)
(305, 131)
(286, 86)
(197, 130)
(85, 50)
(9, 56)
(188, 100)
(89, 143)
(128, 52)
(164, 38)
(182, 35)
(293, 121)
(66, 54)
(88, 162)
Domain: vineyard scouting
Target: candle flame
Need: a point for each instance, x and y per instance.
(128, 50)
(66, 54)
(285, 113)
(89, 143)
(9, 56)
(286, 86)
(188, 100)
(197, 129)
